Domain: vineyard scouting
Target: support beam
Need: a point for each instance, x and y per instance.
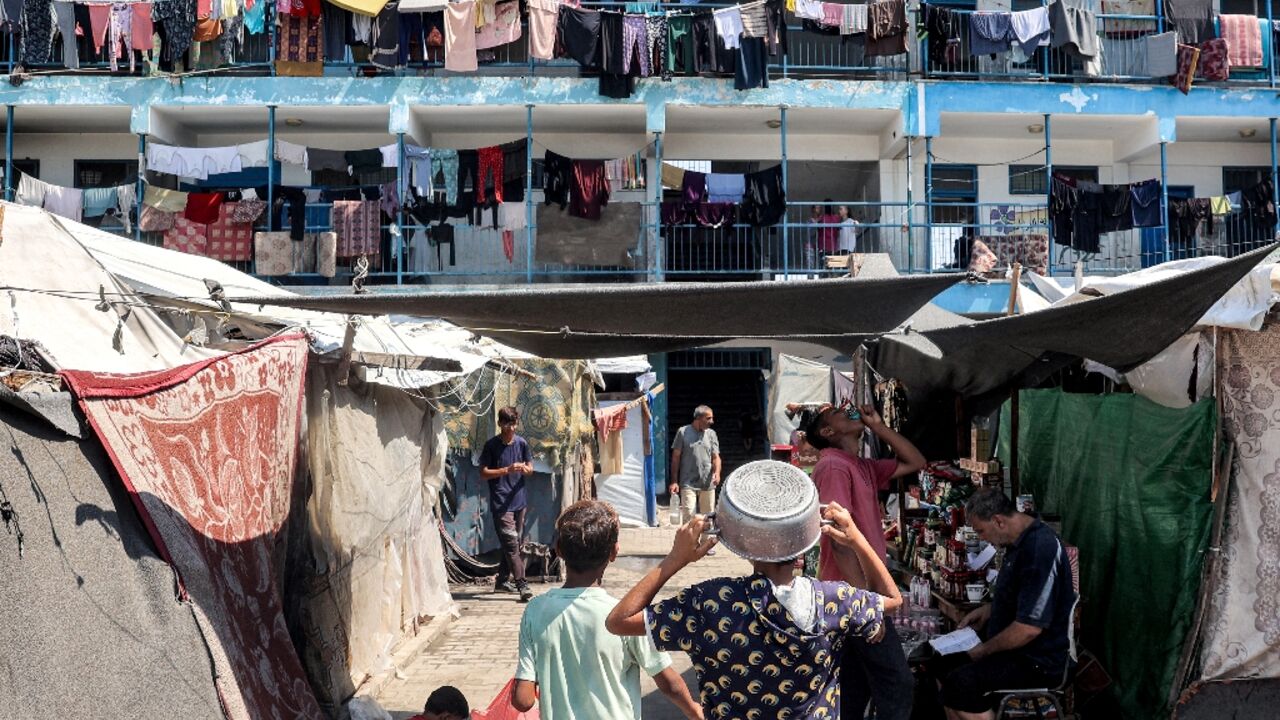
(659, 240)
(1140, 142)
(786, 214)
(162, 128)
(528, 194)
(8, 154)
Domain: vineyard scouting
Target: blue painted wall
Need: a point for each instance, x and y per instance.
(471, 525)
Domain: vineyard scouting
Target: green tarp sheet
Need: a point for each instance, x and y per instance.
(1130, 479)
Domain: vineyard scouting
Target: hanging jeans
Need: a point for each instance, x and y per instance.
(446, 162)
(490, 165)
(67, 29)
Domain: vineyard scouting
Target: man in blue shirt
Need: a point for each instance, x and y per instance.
(504, 462)
(1026, 641)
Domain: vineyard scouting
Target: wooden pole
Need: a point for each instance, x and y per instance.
(1015, 485)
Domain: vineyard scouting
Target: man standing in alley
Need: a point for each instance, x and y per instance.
(505, 461)
(871, 671)
(695, 464)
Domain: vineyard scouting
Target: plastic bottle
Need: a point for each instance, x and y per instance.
(675, 510)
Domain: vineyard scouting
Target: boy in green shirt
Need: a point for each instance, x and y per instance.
(569, 663)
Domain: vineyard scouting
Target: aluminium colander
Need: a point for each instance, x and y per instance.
(768, 511)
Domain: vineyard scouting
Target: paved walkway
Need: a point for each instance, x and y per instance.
(478, 654)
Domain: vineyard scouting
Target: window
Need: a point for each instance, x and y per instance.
(104, 173)
(1249, 7)
(25, 166)
(953, 213)
(1030, 179)
(1237, 179)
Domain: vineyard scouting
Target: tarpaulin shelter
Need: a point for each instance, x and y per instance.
(611, 320)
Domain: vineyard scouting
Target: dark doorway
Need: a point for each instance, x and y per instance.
(731, 382)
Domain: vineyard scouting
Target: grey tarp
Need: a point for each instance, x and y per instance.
(607, 320)
(1120, 330)
(91, 627)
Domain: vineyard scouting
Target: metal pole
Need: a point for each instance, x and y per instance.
(140, 189)
(402, 192)
(1275, 186)
(271, 40)
(786, 214)
(1160, 16)
(911, 207)
(659, 244)
(1048, 173)
(928, 203)
(1164, 199)
(1271, 56)
(8, 149)
(271, 170)
(528, 193)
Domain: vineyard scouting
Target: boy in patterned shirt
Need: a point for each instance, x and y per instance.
(768, 645)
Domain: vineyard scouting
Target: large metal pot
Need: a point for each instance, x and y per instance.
(768, 511)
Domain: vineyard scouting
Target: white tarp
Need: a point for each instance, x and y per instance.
(57, 303)
(795, 380)
(376, 458)
(625, 491)
(180, 276)
(628, 365)
(1242, 618)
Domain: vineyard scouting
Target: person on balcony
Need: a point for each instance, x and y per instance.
(848, 231)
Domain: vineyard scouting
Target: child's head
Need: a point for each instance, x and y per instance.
(446, 703)
(588, 535)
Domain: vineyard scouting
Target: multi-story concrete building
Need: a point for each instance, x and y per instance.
(929, 149)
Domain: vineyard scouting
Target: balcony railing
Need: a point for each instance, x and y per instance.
(811, 54)
(929, 238)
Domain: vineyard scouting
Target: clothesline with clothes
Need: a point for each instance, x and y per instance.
(717, 199)
(1081, 211)
(76, 203)
(1198, 42)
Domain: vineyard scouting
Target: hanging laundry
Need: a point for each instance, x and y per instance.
(589, 191)
(942, 28)
(300, 51)
(30, 191)
(100, 201)
(764, 203)
(1075, 27)
(1192, 19)
(609, 420)
(658, 29)
(728, 25)
(809, 10)
(1214, 64)
(886, 28)
(1117, 210)
(319, 159)
(672, 176)
(386, 37)
(291, 153)
(363, 162)
(359, 227)
(1220, 205)
(64, 201)
(228, 240)
(725, 187)
(1162, 55)
(1030, 29)
(543, 15)
(446, 164)
(557, 178)
(1243, 36)
(694, 189)
(1116, 27)
(504, 29)
(1145, 202)
(752, 68)
(634, 59)
(990, 33)
(1188, 58)
(166, 200)
(203, 208)
(273, 253)
(755, 22)
(680, 45)
(460, 37)
(579, 32)
(853, 19)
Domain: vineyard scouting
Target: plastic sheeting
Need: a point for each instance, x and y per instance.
(795, 380)
(1242, 620)
(376, 457)
(1131, 481)
(38, 254)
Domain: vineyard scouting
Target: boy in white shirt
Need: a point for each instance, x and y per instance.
(569, 663)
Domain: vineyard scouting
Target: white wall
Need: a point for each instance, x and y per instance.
(57, 152)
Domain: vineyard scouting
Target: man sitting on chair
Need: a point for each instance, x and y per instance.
(1028, 623)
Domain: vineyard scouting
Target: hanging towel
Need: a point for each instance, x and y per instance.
(729, 26)
(725, 187)
(64, 201)
(1030, 29)
(1220, 205)
(809, 9)
(1243, 35)
(1075, 27)
(97, 201)
(1162, 55)
(1213, 64)
(1192, 19)
(460, 37)
(672, 176)
(166, 200)
(203, 208)
(287, 152)
(853, 20)
(30, 191)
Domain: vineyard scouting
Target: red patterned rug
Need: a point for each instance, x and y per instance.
(207, 452)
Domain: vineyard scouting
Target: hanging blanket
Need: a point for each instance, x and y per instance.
(207, 453)
(1244, 40)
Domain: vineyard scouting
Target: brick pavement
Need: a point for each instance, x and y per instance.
(478, 653)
